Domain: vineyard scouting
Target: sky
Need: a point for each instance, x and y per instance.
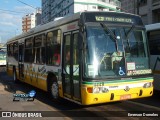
(11, 13)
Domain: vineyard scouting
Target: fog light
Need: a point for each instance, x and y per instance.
(95, 99)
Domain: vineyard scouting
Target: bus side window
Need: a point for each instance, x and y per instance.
(8, 50)
(11, 49)
(29, 52)
(15, 50)
(39, 49)
(56, 59)
(53, 47)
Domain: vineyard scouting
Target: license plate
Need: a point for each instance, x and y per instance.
(125, 97)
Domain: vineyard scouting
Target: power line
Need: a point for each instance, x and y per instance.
(11, 11)
(17, 14)
(26, 4)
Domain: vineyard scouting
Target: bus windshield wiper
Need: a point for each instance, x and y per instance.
(108, 31)
(128, 34)
(130, 30)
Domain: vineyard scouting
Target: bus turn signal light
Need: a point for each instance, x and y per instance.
(90, 89)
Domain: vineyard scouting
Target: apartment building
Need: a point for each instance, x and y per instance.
(59, 8)
(129, 6)
(149, 10)
(28, 22)
(31, 20)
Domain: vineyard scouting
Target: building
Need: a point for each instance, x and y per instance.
(129, 6)
(149, 10)
(38, 16)
(31, 20)
(59, 8)
(28, 22)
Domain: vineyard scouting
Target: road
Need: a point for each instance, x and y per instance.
(69, 110)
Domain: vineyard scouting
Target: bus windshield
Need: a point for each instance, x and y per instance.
(2, 55)
(124, 55)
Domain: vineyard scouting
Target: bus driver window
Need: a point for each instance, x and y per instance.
(53, 47)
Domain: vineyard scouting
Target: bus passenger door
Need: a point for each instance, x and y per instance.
(21, 61)
(70, 66)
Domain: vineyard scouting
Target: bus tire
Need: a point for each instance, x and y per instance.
(15, 76)
(53, 90)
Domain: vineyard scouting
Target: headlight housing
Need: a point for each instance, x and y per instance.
(97, 90)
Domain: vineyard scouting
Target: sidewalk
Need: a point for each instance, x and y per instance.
(7, 89)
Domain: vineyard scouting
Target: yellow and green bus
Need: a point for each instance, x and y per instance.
(88, 58)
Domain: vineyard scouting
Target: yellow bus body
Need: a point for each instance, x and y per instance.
(95, 98)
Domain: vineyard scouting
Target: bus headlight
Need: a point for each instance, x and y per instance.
(100, 90)
(96, 90)
(147, 85)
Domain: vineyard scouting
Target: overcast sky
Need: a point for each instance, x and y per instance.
(11, 13)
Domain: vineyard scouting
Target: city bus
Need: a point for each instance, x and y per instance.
(2, 56)
(87, 58)
(153, 33)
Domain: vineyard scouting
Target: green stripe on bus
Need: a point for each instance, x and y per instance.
(118, 81)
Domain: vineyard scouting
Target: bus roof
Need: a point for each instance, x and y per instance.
(151, 27)
(64, 20)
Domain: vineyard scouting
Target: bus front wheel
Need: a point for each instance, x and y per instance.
(53, 90)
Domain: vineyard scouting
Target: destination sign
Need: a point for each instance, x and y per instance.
(113, 19)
